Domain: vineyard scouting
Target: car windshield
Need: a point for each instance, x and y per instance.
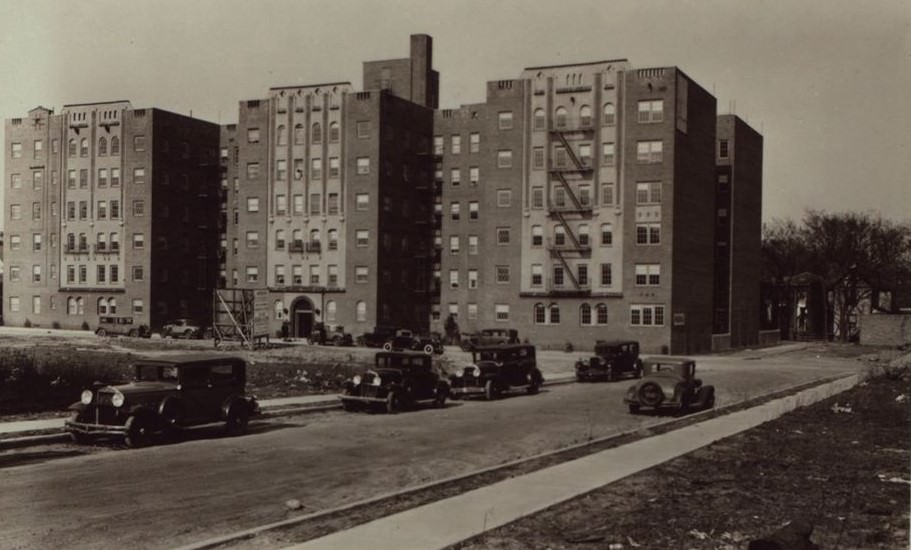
(149, 373)
(607, 350)
(668, 369)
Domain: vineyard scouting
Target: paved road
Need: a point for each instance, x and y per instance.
(180, 493)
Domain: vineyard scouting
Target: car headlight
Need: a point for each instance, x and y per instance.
(474, 370)
(86, 397)
(459, 373)
(356, 380)
(117, 399)
(376, 380)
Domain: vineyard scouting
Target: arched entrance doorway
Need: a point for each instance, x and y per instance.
(302, 315)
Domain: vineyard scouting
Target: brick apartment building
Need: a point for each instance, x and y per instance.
(330, 197)
(110, 211)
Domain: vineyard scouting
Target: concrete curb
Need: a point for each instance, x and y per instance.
(453, 520)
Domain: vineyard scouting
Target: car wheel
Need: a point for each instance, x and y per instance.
(188, 334)
(237, 420)
(634, 408)
(428, 349)
(387, 346)
(439, 400)
(101, 332)
(533, 384)
(133, 333)
(650, 394)
(393, 403)
(491, 391)
(138, 431)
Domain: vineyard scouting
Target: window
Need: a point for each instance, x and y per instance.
(453, 244)
(606, 275)
(472, 311)
(36, 242)
(252, 274)
(252, 239)
(115, 210)
(252, 204)
(454, 211)
(15, 273)
(316, 133)
(537, 235)
(472, 245)
(361, 274)
(455, 144)
(540, 120)
(281, 169)
(363, 129)
(554, 314)
(84, 147)
(115, 177)
(297, 275)
(298, 204)
(582, 275)
(474, 175)
(585, 154)
(36, 273)
(37, 180)
(455, 176)
(559, 235)
(560, 117)
(648, 274)
(83, 210)
(472, 279)
(16, 149)
(504, 120)
(279, 239)
(362, 200)
(14, 300)
(299, 135)
(474, 142)
(101, 210)
(585, 314)
(138, 273)
(651, 110)
(102, 177)
(36, 210)
(15, 241)
(537, 275)
(585, 116)
(70, 148)
(560, 158)
(473, 210)
(607, 193)
(314, 274)
(334, 169)
(361, 311)
(607, 154)
(539, 314)
(648, 233)
(649, 152)
(504, 198)
(281, 135)
(84, 178)
(648, 192)
(502, 235)
(139, 143)
(333, 132)
(646, 315)
(316, 168)
(501, 312)
(438, 145)
(70, 179)
(333, 275)
(16, 180)
(537, 155)
(281, 205)
(583, 235)
(252, 135)
(252, 170)
(15, 211)
(453, 278)
(537, 197)
(504, 158)
(723, 149)
(608, 114)
(558, 276)
(83, 274)
(502, 274)
(361, 238)
(102, 273)
(363, 165)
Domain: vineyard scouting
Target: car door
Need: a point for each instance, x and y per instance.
(193, 381)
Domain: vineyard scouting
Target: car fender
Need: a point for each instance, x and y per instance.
(78, 406)
(233, 401)
(171, 409)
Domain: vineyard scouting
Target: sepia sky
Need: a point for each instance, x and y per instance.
(828, 82)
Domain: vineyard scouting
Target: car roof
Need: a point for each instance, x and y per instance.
(615, 342)
(189, 358)
(667, 360)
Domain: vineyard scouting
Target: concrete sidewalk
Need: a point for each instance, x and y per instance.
(453, 520)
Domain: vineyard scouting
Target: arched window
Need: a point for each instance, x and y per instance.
(361, 311)
(115, 146)
(609, 115)
(314, 236)
(316, 133)
(84, 147)
(102, 306)
(601, 314)
(560, 117)
(71, 306)
(112, 306)
(282, 135)
(71, 147)
(80, 306)
(585, 314)
(299, 136)
(540, 120)
(585, 115)
(330, 310)
(333, 132)
(279, 309)
(559, 235)
(540, 314)
(554, 314)
(102, 146)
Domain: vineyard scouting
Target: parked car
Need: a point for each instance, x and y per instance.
(406, 340)
(330, 334)
(497, 369)
(183, 328)
(380, 335)
(612, 359)
(121, 325)
(166, 394)
(489, 337)
(399, 380)
(669, 383)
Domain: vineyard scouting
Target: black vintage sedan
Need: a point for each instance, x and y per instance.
(399, 380)
(497, 369)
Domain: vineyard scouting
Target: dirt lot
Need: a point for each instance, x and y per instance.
(841, 465)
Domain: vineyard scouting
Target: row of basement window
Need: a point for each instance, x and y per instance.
(75, 305)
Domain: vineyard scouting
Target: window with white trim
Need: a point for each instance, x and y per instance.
(650, 152)
(501, 312)
(648, 274)
(646, 315)
(651, 110)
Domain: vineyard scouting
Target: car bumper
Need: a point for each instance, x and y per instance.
(94, 429)
(592, 374)
(466, 390)
(361, 399)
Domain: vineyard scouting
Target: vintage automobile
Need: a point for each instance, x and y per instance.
(121, 325)
(489, 337)
(380, 335)
(612, 359)
(330, 334)
(399, 380)
(497, 369)
(669, 383)
(166, 394)
(406, 340)
(183, 328)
